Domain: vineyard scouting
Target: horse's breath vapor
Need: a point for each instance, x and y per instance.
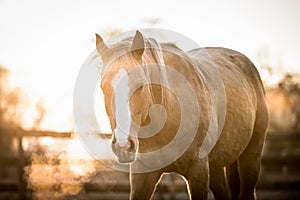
(175, 108)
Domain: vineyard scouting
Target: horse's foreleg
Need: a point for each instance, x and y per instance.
(218, 183)
(142, 185)
(197, 178)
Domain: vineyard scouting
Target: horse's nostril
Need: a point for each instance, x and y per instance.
(124, 146)
(113, 141)
(132, 147)
(129, 145)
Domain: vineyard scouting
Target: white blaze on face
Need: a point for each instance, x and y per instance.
(122, 111)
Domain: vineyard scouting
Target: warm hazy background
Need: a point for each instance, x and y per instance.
(44, 43)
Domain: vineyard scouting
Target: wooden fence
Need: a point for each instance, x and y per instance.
(279, 179)
(16, 187)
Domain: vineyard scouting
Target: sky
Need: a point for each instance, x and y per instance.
(44, 43)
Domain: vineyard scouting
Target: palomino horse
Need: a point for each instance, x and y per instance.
(231, 168)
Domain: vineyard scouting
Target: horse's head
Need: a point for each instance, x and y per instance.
(125, 108)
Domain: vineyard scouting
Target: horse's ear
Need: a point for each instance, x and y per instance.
(100, 45)
(138, 44)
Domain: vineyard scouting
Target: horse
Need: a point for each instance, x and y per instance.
(231, 168)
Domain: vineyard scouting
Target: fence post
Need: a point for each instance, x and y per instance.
(21, 163)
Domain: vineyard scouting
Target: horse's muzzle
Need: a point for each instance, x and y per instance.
(127, 153)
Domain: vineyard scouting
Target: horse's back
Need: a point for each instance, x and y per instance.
(236, 61)
(245, 103)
